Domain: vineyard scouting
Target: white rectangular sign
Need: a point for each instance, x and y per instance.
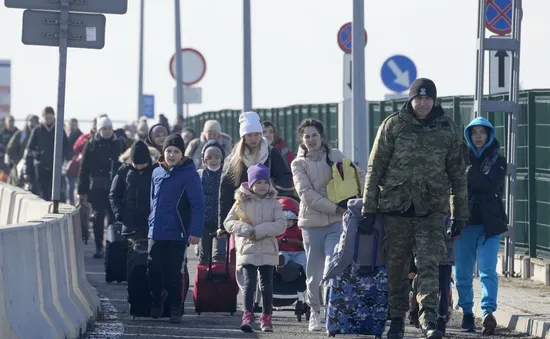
(348, 78)
(5, 88)
(191, 95)
(499, 70)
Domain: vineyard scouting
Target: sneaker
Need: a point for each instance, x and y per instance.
(397, 329)
(489, 324)
(441, 325)
(175, 314)
(430, 330)
(468, 322)
(246, 325)
(157, 306)
(99, 254)
(315, 322)
(266, 323)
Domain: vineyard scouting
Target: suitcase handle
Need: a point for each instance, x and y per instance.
(213, 236)
(365, 269)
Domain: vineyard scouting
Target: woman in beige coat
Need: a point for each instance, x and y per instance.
(256, 219)
(320, 219)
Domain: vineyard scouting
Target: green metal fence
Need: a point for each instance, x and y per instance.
(533, 148)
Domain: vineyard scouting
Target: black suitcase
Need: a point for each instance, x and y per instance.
(116, 249)
(139, 294)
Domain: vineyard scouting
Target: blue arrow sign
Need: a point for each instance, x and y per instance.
(398, 72)
(498, 16)
(149, 106)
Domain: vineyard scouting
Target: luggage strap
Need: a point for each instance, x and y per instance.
(212, 237)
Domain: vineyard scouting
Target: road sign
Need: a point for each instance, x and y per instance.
(500, 63)
(345, 36)
(42, 28)
(149, 106)
(95, 6)
(498, 16)
(194, 66)
(398, 72)
(348, 76)
(191, 95)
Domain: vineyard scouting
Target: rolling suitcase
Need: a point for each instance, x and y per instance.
(358, 298)
(215, 285)
(116, 249)
(139, 294)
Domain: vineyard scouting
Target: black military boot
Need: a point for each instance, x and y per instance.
(430, 331)
(397, 329)
(441, 325)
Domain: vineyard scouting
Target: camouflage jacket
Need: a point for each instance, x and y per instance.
(417, 163)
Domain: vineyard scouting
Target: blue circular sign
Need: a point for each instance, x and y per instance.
(498, 16)
(398, 72)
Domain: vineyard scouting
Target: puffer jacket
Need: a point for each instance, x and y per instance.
(194, 149)
(263, 215)
(311, 174)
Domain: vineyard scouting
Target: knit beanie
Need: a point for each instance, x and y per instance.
(139, 153)
(249, 123)
(212, 147)
(212, 126)
(423, 87)
(257, 172)
(174, 140)
(103, 122)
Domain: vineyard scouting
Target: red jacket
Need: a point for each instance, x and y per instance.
(293, 232)
(285, 151)
(79, 144)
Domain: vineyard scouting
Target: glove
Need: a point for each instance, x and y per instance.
(457, 226)
(366, 224)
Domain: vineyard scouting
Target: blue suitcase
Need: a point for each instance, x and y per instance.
(357, 300)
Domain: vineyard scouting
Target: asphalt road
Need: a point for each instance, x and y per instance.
(116, 323)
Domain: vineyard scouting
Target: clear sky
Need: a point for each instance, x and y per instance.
(296, 59)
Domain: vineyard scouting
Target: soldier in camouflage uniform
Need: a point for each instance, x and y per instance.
(415, 170)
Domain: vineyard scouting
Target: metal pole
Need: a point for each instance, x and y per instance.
(247, 57)
(512, 137)
(58, 145)
(361, 139)
(140, 80)
(179, 68)
(480, 60)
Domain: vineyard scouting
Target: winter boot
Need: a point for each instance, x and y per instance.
(489, 324)
(468, 322)
(266, 323)
(430, 331)
(246, 325)
(397, 329)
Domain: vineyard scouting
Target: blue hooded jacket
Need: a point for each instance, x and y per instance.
(486, 177)
(177, 202)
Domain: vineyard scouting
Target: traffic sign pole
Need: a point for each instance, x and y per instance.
(179, 70)
(247, 58)
(140, 80)
(361, 128)
(60, 118)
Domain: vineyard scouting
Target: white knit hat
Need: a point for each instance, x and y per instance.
(212, 126)
(290, 215)
(249, 123)
(103, 122)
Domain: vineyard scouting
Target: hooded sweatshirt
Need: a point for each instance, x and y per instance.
(211, 185)
(486, 176)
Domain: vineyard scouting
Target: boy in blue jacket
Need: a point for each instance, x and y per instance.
(176, 219)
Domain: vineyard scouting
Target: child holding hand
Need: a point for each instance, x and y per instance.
(256, 219)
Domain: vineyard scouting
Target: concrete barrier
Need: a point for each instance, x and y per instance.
(42, 274)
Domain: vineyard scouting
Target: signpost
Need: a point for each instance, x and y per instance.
(348, 76)
(194, 64)
(498, 16)
(149, 106)
(5, 88)
(345, 34)
(398, 73)
(59, 27)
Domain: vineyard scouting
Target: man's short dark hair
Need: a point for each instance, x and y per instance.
(49, 110)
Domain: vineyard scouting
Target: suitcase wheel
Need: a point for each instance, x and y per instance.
(299, 317)
(133, 317)
(378, 337)
(232, 313)
(331, 333)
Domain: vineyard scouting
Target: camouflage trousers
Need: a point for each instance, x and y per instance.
(423, 236)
